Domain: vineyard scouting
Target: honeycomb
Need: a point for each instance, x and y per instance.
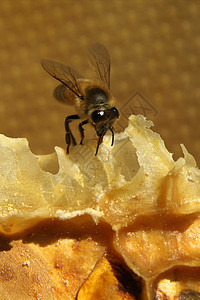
(120, 225)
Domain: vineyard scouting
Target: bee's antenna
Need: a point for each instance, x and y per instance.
(100, 140)
(112, 143)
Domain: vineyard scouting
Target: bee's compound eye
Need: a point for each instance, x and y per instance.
(97, 115)
(114, 111)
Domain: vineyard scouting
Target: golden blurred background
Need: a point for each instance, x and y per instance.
(154, 48)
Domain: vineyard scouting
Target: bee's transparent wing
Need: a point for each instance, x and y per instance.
(100, 60)
(66, 75)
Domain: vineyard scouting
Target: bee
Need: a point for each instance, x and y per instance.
(92, 98)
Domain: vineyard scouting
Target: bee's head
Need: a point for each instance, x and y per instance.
(102, 120)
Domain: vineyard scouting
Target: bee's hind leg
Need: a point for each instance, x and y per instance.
(81, 129)
(69, 136)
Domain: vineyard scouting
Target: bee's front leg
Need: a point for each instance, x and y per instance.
(82, 130)
(69, 136)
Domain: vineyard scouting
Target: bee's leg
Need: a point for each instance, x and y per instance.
(100, 140)
(69, 136)
(80, 126)
(112, 143)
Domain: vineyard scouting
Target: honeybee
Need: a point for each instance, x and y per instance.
(92, 98)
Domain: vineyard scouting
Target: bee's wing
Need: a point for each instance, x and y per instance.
(100, 60)
(66, 75)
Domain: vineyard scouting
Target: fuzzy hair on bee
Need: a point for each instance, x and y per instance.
(92, 99)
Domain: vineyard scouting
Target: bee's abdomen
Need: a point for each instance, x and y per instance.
(60, 93)
(64, 95)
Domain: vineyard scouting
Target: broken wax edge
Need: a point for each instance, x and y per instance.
(151, 202)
